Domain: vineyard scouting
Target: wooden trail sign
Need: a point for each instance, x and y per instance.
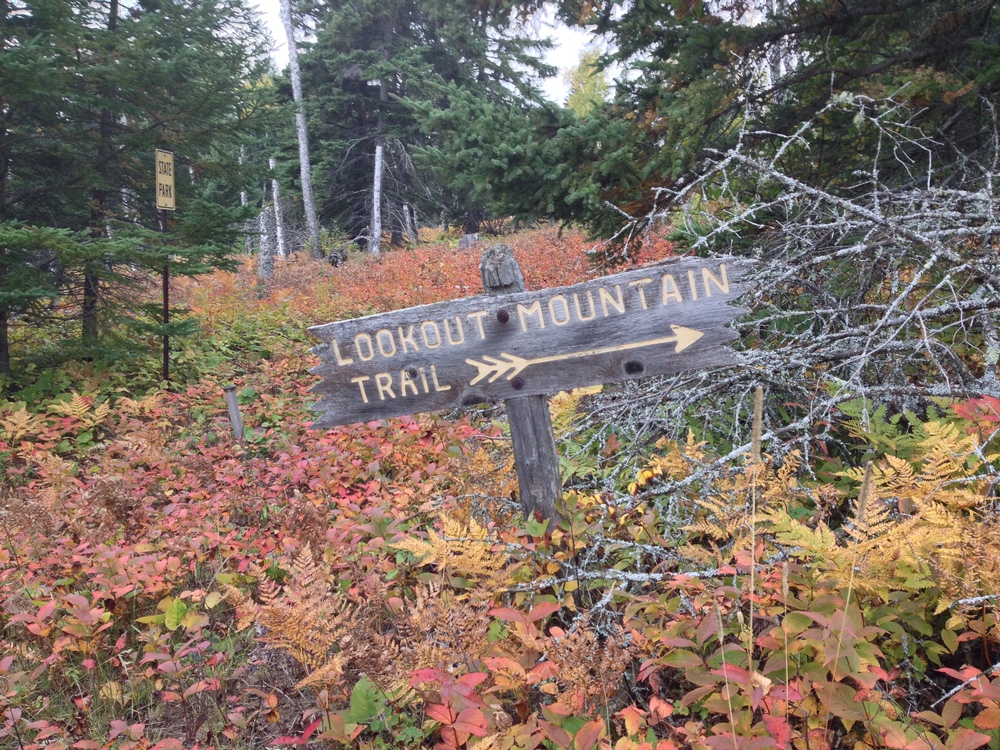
(665, 318)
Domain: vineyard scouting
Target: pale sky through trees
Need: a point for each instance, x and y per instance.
(569, 45)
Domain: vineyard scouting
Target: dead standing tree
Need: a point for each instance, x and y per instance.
(867, 288)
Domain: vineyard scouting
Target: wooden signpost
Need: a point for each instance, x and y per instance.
(512, 345)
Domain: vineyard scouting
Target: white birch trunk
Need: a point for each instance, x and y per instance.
(305, 169)
(265, 253)
(279, 222)
(375, 231)
(244, 202)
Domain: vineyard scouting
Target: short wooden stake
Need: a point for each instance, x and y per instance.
(535, 456)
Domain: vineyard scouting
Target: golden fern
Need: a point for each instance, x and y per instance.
(916, 525)
(740, 504)
(589, 666)
(443, 630)
(808, 541)
(331, 633)
(870, 518)
(81, 409)
(139, 407)
(306, 617)
(566, 410)
(484, 480)
(330, 673)
(464, 548)
(20, 424)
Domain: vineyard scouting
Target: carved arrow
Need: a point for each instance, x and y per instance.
(510, 364)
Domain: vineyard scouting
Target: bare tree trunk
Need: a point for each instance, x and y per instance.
(98, 211)
(396, 225)
(375, 231)
(4, 343)
(265, 252)
(247, 228)
(410, 224)
(91, 295)
(4, 155)
(279, 221)
(472, 217)
(305, 169)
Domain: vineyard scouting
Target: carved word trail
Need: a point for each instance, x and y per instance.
(659, 319)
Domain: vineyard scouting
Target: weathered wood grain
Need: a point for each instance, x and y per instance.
(534, 443)
(487, 349)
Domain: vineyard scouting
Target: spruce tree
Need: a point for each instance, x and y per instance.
(694, 77)
(90, 89)
(368, 63)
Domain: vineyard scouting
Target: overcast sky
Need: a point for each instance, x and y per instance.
(565, 55)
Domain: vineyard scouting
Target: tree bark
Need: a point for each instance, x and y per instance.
(375, 231)
(472, 218)
(91, 295)
(395, 217)
(305, 169)
(4, 342)
(410, 224)
(244, 202)
(90, 331)
(265, 251)
(279, 221)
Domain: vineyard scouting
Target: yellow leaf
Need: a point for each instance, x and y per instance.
(212, 599)
(193, 620)
(111, 692)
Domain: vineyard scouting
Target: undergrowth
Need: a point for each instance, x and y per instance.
(165, 585)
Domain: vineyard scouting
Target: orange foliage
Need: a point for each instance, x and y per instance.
(315, 292)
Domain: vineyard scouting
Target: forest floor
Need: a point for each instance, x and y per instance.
(164, 585)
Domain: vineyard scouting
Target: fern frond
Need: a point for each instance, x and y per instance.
(328, 674)
(305, 572)
(464, 548)
(589, 666)
(77, 407)
(20, 424)
(139, 407)
(795, 534)
(710, 529)
(566, 410)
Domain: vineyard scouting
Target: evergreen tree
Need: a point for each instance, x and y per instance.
(700, 73)
(696, 77)
(88, 90)
(534, 162)
(368, 62)
(28, 257)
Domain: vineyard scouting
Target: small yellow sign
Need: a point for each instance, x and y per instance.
(164, 180)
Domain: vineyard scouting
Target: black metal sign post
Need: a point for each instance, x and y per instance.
(511, 345)
(165, 203)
